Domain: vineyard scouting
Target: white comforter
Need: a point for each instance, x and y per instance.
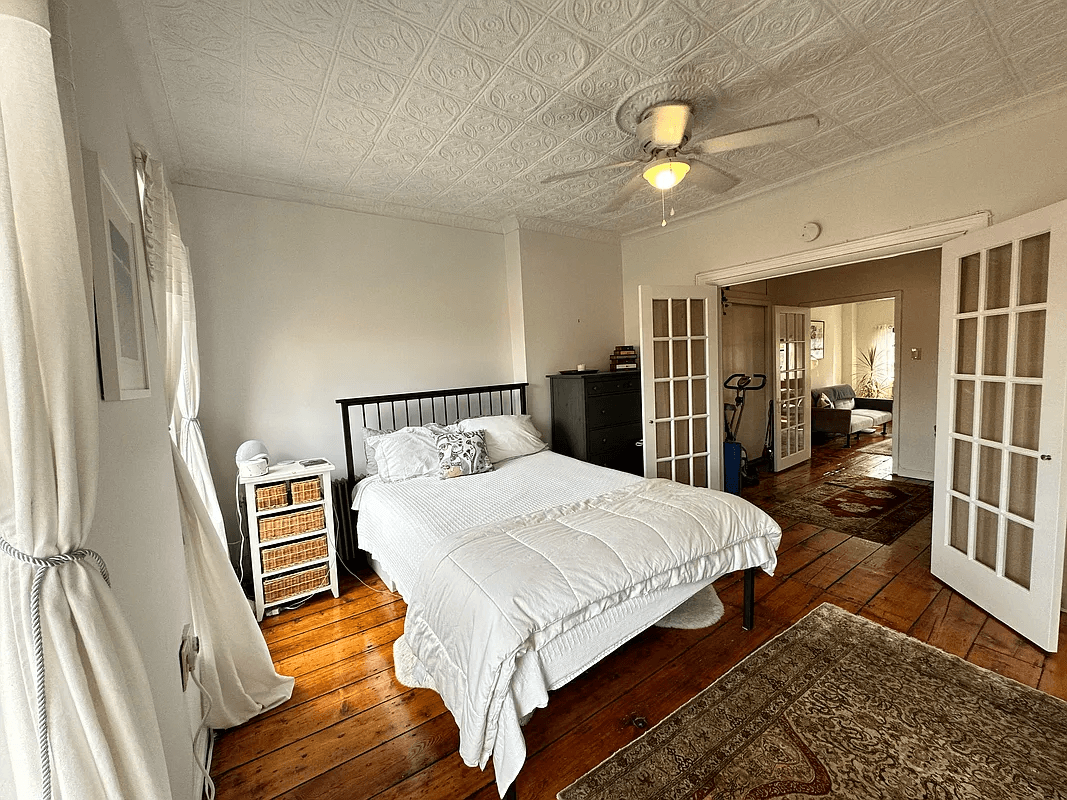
(488, 597)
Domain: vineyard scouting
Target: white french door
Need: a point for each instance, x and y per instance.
(791, 418)
(680, 396)
(1000, 478)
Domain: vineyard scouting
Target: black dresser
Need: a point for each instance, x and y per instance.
(597, 418)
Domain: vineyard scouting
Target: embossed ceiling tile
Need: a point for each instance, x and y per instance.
(951, 60)
(427, 13)
(1041, 67)
(933, 33)
(323, 179)
(351, 119)
(607, 81)
(828, 146)
(354, 82)
(566, 115)
(440, 170)
(778, 167)
(338, 147)
(493, 27)
(554, 54)
(429, 107)
(483, 179)
(751, 89)
(826, 48)
(504, 163)
(877, 95)
(772, 28)
(190, 75)
(718, 14)
(199, 25)
(460, 197)
(316, 20)
(875, 19)
(604, 21)
(783, 105)
(485, 126)
(1037, 25)
(852, 75)
(515, 94)
(662, 39)
(405, 134)
(388, 159)
(602, 135)
(973, 93)
(383, 40)
(462, 152)
(281, 56)
(532, 143)
(710, 67)
(451, 68)
(569, 157)
(273, 95)
(894, 123)
(192, 112)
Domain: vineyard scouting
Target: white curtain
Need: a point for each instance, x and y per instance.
(58, 618)
(235, 665)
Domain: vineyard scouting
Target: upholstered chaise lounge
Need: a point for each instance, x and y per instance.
(846, 414)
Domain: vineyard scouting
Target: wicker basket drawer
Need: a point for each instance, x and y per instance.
(282, 525)
(296, 583)
(307, 491)
(271, 496)
(294, 554)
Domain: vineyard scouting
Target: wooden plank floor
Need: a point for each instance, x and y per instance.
(351, 731)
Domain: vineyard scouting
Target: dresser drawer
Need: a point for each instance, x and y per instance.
(629, 383)
(607, 441)
(613, 409)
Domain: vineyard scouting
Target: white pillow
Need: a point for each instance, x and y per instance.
(406, 453)
(506, 436)
(849, 403)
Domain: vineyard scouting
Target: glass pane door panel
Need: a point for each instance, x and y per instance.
(663, 440)
(660, 319)
(700, 471)
(995, 361)
(662, 356)
(663, 470)
(967, 346)
(985, 538)
(1022, 485)
(1033, 269)
(679, 318)
(700, 435)
(965, 407)
(961, 466)
(680, 363)
(700, 396)
(699, 362)
(681, 470)
(998, 277)
(969, 271)
(681, 398)
(681, 437)
(958, 531)
(989, 475)
(992, 423)
(1018, 553)
(1026, 416)
(663, 399)
(696, 317)
(1030, 344)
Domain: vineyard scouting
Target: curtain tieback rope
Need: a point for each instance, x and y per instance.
(42, 565)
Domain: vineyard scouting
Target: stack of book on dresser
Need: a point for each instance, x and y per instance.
(624, 358)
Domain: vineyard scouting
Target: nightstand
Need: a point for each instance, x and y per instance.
(597, 418)
(290, 533)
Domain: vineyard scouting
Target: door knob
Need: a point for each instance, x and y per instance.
(1046, 457)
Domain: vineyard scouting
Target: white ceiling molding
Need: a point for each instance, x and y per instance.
(511, 224)
(884, 245)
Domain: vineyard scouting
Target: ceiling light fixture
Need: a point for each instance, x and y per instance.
(666, 173)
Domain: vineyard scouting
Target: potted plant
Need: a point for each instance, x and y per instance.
(873, 376)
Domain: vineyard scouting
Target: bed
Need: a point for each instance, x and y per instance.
(521, 577)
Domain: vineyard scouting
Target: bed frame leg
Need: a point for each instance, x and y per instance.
(748, 613)
(511, 793)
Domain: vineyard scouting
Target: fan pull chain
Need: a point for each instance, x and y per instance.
(672, 201)
(662, 208)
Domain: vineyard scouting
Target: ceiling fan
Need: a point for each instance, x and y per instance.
(663, 132)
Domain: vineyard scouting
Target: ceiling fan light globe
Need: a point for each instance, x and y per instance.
(666, 174)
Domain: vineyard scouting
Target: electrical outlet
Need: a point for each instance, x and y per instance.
(187, 653)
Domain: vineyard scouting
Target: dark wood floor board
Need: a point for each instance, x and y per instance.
(351, 731)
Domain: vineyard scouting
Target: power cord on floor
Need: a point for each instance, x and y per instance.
(240, 532)
(354, 575)
(209, 785)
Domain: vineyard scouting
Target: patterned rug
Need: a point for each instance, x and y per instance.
(883, 447)
(870, 508)
(841, 707)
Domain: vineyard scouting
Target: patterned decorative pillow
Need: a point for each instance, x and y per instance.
(462, 454)
(824, 401)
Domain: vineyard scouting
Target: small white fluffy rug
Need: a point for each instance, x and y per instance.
(702, 610)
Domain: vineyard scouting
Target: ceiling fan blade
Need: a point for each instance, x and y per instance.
(564, 175)
(626, 192)
(789, 130)
(709, 178)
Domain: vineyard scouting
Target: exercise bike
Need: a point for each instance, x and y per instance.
(735, 458)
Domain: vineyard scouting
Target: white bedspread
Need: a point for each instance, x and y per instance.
(487, 598)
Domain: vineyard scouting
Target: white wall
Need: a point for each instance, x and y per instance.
(136, 528)
(826, 371)
(299, 305)
(571, 309)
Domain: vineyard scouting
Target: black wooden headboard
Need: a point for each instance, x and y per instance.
(443, 406)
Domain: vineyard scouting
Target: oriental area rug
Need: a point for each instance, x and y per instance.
(870, 508)
(840, 707)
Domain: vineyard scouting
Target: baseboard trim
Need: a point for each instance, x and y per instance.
(917, 474)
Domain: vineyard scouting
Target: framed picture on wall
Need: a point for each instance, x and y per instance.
(116, 289)
(818, 338)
